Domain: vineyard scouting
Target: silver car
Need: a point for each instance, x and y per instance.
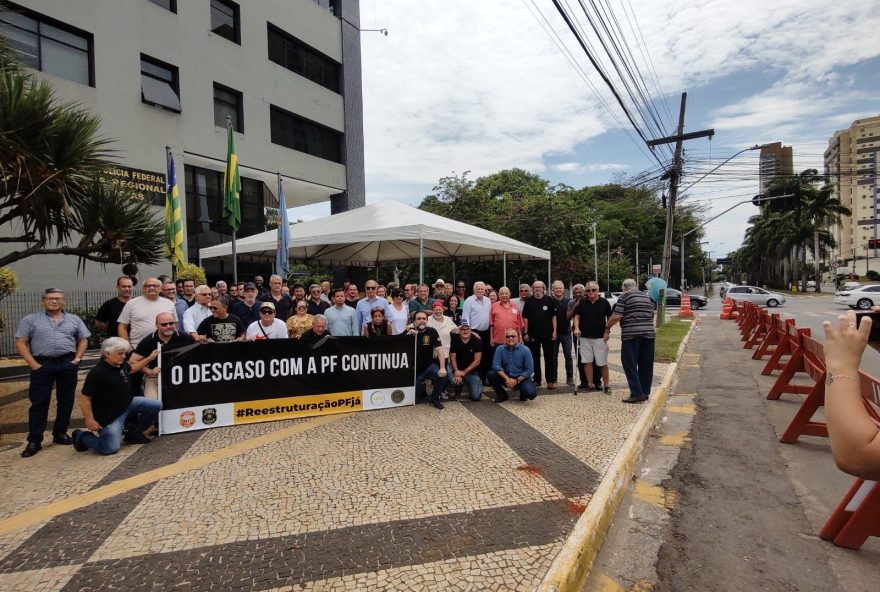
(756, 295)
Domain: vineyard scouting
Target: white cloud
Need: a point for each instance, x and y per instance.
(478, 86)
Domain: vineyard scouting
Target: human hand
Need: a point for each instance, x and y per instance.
(845, 345)
(92, 425)
(35, 366)
(441, 373)
(510, 382)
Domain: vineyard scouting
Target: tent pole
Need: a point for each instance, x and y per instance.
(421, 261)
(504, 259)
(454, 279)
(549, 279)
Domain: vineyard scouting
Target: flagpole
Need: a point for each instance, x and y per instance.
(234, 253)
(167, 191)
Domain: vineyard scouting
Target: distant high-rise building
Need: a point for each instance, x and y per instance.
(851, 163)
(775, 161)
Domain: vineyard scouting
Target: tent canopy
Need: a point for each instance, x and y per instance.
(387, 231)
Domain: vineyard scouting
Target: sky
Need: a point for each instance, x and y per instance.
(461, 85)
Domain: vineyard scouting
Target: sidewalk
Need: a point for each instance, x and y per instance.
(478, 496)
(722, 505)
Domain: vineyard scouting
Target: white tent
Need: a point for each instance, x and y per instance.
(387, 231)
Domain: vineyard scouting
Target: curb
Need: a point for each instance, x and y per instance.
(570, 568)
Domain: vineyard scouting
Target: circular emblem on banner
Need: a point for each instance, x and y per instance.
(209, 415)
(377, 398)
(187, 419)
(397, 396)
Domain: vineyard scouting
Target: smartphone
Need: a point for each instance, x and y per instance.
(875, 324)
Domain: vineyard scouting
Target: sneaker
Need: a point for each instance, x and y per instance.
(444, 397)
(136, 438)
(633, 399)
(607, 390)
(77, 441)
(437, 404)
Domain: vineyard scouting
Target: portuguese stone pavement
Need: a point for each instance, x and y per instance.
(477, 496)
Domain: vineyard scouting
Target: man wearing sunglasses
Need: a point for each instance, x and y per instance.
(268, 327)
(366, 305)
(524, 292)
(221, 327)
(590, 320)
(167, 334)
(198, 312)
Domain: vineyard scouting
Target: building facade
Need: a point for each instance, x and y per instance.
(168, 73)
(775, 161)
(851, 163)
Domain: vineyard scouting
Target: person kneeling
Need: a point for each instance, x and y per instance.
(512, 368)
(106, 402)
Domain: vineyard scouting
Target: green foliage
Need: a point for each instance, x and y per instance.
(88, 317)
(525, 207)
(669, 338)
(191, 271)
(8, 282)
(872, 276)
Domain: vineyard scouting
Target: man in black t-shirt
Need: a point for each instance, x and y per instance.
(221, 327)
(539, 332)
(590, 320)
(167, 334)
(427, 367)
(106, 402)
(465, 355)
(248, 308)
(108, 315)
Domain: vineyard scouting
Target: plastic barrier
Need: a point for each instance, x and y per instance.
(857, 517)
(802, 423)
(789, 341)
(727, 308)
(794, 365)
(759, 331)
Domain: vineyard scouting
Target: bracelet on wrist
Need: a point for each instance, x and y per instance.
(830, 378)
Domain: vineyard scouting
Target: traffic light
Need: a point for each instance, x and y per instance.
(874, 243)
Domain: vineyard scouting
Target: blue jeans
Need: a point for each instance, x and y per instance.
(564, 339)
(62, 374)
(527, 388)
(142, 411)
(473, 382)
(430, 373)
(637, 357)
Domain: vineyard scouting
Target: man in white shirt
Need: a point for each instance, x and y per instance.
(268, 327)
(197, 313)
(477, 311)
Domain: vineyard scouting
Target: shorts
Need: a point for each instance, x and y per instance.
(594, 350)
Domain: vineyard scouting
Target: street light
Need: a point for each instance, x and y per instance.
(755, 200)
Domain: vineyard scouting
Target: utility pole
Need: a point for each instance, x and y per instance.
(674, 177)
(638, 271)
(595, 255)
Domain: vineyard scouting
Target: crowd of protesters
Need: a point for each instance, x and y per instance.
(465, 340)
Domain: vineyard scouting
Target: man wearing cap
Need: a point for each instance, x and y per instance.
(439, 289)
(465, 354)
(52, 343)
(248, 310)
(268, 327)
(342, 320)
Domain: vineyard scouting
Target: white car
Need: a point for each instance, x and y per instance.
(848, 287)
(610, 297)
(862, 298)
(756, 295)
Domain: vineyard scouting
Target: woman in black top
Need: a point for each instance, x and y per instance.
(379, 325)
(452, 309)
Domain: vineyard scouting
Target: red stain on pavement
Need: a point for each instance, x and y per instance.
(576, 508)
(529, 469)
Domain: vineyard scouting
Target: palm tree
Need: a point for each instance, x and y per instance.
(50, 158)
(823, 211)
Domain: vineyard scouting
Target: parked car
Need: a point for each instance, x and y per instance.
(862, 298)
(673, 298)
(756, 295)
(848, 287)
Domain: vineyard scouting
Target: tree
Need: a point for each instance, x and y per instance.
(50, 158)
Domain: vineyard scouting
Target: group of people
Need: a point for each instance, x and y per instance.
(463, 341)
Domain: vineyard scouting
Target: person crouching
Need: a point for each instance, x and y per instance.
(106, 402)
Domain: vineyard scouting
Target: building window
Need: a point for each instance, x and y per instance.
(166, 4)
(204, 209)
(224, 20)
(159, 84)
(46, 45)
(228, 102)
(302, 59)
(303, 135)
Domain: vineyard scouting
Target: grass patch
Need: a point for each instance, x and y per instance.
(669, 338)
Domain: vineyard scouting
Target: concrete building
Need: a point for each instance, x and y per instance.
(851, 163)
(168, 72)
(775, 161)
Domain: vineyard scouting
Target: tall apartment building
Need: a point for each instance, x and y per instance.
(168, 73)
(851, 163)
(775, 161)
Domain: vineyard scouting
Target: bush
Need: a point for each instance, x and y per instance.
(8, 282)
(191, 271)
(88, 317)
(872, 275)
